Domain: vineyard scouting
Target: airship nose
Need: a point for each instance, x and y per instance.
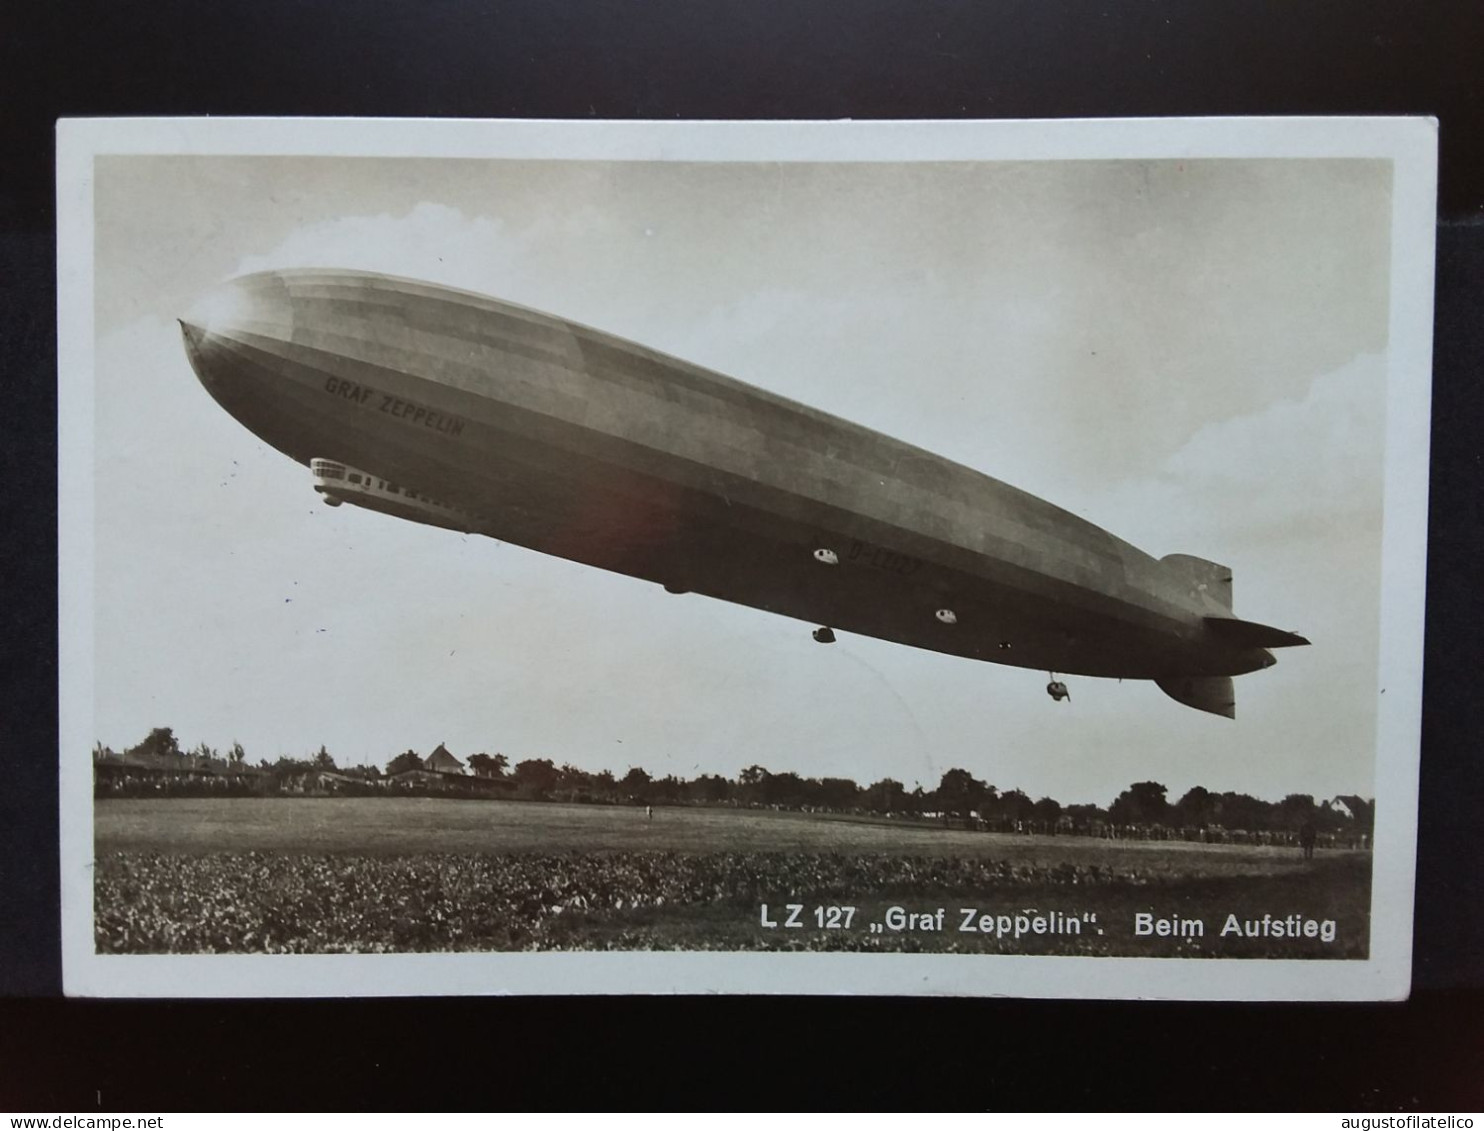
(259, 303)
(240, 340)
(231, 320)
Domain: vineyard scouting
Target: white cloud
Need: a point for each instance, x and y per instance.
(1297, 470)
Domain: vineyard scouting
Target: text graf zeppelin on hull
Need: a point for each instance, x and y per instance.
(467, 412)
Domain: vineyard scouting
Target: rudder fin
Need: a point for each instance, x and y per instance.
(1212, 693)
(1211, 579)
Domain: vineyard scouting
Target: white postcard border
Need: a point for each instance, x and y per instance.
(1411, 144)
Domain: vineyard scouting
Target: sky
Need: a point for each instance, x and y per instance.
(1191, 354)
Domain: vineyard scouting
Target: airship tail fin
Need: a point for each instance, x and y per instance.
(1208, 578)
(1205, 693)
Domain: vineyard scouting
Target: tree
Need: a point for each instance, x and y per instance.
(711, 787)
(1142, 803)
(1362, 811)
(838, 793)
(960, 793)
(1197, 808)
(536, 775)
(1295, 810)
(1084, 816)
(786, 790)
(323, 761)
(635, 783)
(407, 760)
(482, 765)
(574, 780)
(885, 796)
(159, 742)
(1047, 812)
(286, 765)
(489, 765)
(752, 783)
(237, 755)
(1017, 806)
(1242, 811)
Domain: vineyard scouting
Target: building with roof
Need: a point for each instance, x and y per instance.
(440, 761)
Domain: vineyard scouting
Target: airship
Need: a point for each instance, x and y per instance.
(474, 414)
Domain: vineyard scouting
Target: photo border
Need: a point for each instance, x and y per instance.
(1411, 145)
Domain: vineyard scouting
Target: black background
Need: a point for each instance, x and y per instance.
(687, 59)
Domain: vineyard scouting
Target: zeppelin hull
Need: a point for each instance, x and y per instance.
(577, 444)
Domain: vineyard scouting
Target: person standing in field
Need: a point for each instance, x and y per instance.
(649, 812)
(1307, 835)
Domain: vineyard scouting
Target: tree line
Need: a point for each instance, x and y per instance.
(959, 796)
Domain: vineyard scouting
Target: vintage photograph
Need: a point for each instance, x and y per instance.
(806, 557)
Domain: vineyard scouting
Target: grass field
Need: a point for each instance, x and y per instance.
(421, 874)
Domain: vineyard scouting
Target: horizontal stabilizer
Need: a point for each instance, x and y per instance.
(1250, 634)
(1212, 693)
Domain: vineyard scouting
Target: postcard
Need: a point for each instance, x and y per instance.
(511, 557)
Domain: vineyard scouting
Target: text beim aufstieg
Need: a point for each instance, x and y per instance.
(1294, 926)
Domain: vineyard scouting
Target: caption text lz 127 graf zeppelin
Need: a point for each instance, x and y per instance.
(1023, 924)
